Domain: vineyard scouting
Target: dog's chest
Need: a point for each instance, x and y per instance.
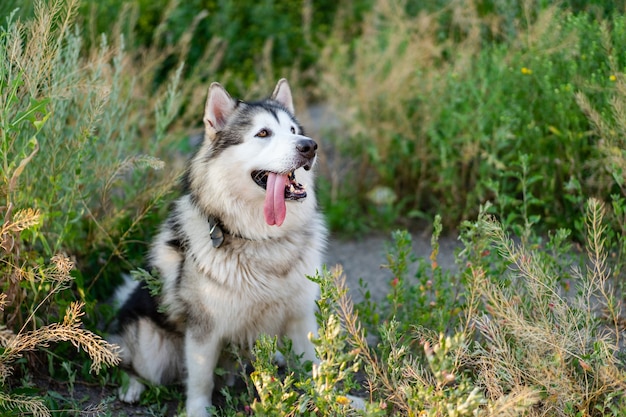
(246, 294)
(244, 287)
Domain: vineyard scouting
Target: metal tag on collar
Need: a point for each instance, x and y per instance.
(217, 235)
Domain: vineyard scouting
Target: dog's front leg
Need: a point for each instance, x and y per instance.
(298, 331)
(201, 353)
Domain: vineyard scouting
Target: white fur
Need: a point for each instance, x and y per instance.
(123, 292)
(131, 393)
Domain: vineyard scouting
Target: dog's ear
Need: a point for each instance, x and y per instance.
(219, 106)
(282, 94)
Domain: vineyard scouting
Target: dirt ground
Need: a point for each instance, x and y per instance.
(364, 258)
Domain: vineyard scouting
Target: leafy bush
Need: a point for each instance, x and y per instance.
(254, 40)
(523, 343)
(75, 145)
(448, 122)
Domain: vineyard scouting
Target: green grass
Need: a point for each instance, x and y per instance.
(504, 125)
(450, 123)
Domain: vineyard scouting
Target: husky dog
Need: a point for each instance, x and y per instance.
(233, 255)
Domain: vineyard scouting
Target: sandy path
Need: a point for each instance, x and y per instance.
(363, 259)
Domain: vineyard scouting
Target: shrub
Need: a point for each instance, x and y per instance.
(75, 145)
(257, 40)
(439, 120)
(608, 126)
(448, 122)
(532, 334)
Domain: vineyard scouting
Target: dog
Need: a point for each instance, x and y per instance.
(233, 255)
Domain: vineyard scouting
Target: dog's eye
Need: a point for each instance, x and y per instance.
(263, 133)
(293, 130)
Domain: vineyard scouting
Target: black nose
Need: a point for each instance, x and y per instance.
(306, 147)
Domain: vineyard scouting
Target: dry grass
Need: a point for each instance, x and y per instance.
(14, 344)
(441, 107)
(534, 336)
(527, 347)
(70, 329)
(104, 111)
(435, 382)
(386, 86)
(75, 128)
(610, 128)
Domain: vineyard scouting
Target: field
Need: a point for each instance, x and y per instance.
(502, 124)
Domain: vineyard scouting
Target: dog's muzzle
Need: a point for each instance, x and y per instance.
(307, 150)
(282, 186)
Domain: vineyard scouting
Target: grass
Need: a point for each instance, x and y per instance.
(446, 119)
(504, 125)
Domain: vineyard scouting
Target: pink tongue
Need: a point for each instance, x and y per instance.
(274, 208)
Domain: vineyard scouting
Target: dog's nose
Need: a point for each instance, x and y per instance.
(306, 147)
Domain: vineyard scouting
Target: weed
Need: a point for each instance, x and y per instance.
(444, 118)
(74, 146)
(317, 391)
(444, 111)
(532, 335)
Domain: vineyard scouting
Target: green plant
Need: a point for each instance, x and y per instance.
(14, 345)
(431, 299)
(531, 335)
(608, 128)
(429, 381)
(442, 111)
(75, 143)
(322, 391)
(256, 42)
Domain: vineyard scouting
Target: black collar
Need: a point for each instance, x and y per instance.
(217, 231)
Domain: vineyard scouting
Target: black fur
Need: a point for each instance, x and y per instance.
(141, 304)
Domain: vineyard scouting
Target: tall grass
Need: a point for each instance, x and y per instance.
(520, 344)
(102, 117)
(533, 334)
(81, 132)
(444, 108)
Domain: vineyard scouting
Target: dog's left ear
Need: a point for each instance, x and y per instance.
(282, 94)
(219, 106)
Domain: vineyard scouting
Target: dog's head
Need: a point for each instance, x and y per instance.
(268, 153)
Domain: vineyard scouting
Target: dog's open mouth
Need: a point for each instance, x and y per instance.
(293, 189)
(278, 188)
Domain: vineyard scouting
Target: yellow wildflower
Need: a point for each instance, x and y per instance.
(612, 77)
(343, 400)
(526, 71)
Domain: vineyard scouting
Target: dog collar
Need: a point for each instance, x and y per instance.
(216, 232)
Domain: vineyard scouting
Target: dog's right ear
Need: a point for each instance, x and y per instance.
(219, 106)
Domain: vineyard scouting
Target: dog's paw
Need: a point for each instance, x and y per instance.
(198, 407)
(131, 393)
(279, 359)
